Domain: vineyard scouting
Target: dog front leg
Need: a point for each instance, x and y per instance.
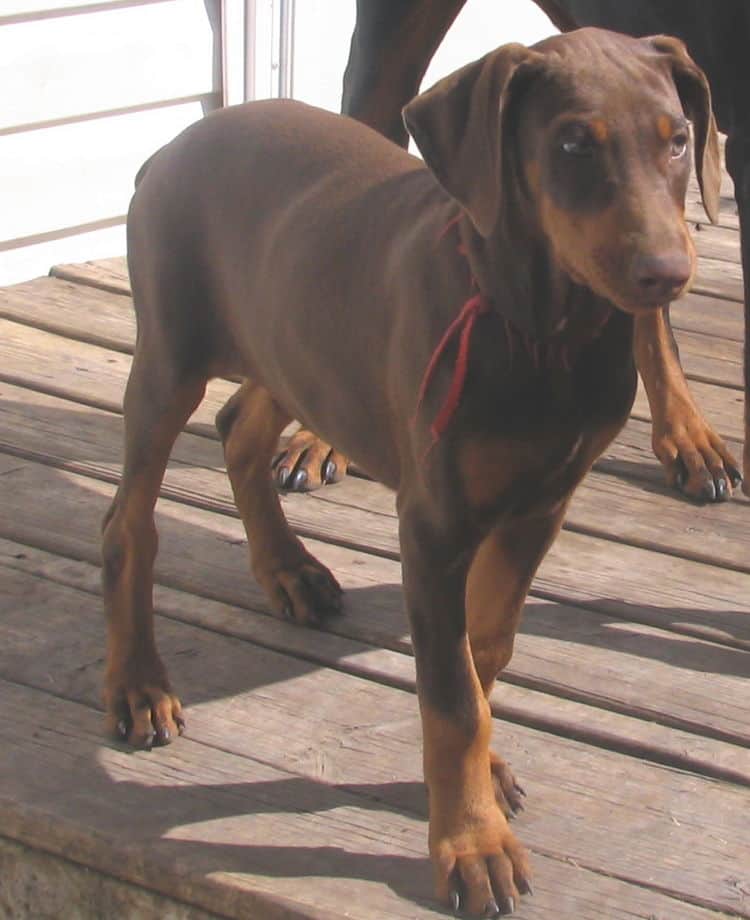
(695, 458)
(478, 861)
(738, 165)
(498, 582)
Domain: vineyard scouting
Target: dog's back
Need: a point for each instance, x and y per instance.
(291, 157)
(262, 255)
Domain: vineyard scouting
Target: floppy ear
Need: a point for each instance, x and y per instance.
(695, 95)
(457, 126)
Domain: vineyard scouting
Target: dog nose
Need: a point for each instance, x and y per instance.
(661, 277)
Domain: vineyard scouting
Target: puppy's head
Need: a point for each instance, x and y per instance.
(588, 135)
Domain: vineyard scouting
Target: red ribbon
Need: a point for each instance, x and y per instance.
(462, 325)
(553, 353)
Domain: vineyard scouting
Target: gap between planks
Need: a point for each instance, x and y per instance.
(328, 515)
(181, 804)
(621, 459)
(360, 515)
(275, 723)
(216, 571)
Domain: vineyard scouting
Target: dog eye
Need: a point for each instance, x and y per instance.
(679, 145)
(578, 143)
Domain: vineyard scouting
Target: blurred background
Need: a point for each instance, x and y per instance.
(92, 87)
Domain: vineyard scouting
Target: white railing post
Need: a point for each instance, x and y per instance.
(286, 48)
(250, 33)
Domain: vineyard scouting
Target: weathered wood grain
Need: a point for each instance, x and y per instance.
(205, 553)
(696, 313)
(96, 376)
(349, 649)
(359, 514)
(39, 885)
(277, 714)
(106, 274)
(88, 373)
(246, 839)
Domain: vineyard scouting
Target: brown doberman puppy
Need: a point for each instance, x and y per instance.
(391, 47)
(461, 327)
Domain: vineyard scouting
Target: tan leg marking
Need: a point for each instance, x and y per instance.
(695, 458)
(475, 854)
(141, 707)
(306, 463)
(297, 584)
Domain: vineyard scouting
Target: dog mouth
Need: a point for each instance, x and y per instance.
(634, 297)
(647, 298)
(635, 280)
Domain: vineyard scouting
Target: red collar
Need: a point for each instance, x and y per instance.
(463, 326)
(554, 352)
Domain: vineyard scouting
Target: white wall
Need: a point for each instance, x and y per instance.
(89, 91)
(90, 88)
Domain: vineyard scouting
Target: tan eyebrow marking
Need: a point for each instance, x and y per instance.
(599, 130)
(664, 126)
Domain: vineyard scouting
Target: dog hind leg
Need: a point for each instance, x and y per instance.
(141, 707)
(305, 463)
(297, 585)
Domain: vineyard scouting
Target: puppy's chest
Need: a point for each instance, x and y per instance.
(536, 451)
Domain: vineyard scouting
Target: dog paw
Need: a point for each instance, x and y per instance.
(508, 793)
(307, 463)
(142, 710)
(483, 869)
(305, 592)
(696, 460)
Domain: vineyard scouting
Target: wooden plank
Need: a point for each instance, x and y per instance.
(291, 742)
(88, 373)
(709, 359)
(716, 242)
(349, 650)
(209, 558)
(65, 432)
(728, 216)
(107, 274)
(615, 509)
(720, 318)
(37, 884)
(272, 831)
(76, 311)
(719, 278)
(69, 307)
(227, 833)
(53, 60)
(359, 514)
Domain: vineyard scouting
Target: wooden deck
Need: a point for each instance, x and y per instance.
(296, 792)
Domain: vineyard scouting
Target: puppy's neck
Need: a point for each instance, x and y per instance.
(516, 272)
